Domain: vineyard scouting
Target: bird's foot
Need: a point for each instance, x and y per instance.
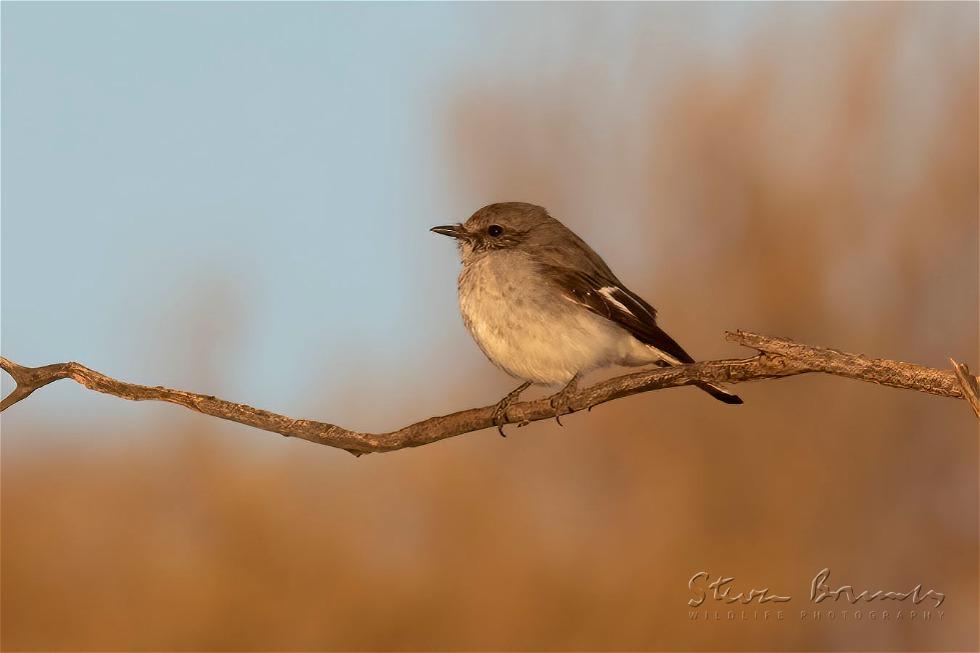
(500, 410)
(559, 400)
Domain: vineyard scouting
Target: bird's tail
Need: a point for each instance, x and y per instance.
(719, 392)
(712, 389)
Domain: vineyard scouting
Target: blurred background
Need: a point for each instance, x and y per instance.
(235, 199)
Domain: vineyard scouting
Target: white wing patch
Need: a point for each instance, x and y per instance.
(607, 292)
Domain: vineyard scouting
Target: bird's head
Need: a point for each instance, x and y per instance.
(502, 226)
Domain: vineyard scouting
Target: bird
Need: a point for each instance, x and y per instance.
(546, 309)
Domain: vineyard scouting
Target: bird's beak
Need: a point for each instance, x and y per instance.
(454, 230)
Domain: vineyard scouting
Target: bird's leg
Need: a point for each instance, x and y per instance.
(559, 401)
(500, 410)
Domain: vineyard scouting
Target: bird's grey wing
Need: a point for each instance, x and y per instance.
(573, 254)
(607, 297)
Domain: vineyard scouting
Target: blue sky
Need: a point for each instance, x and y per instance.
(186, 167)
(235, 197)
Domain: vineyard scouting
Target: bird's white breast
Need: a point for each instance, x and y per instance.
(526, 327)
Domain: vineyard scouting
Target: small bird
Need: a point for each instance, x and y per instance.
(545, 308)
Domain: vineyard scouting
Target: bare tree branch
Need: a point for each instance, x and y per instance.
(778, 357)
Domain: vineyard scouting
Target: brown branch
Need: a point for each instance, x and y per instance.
(778, 357)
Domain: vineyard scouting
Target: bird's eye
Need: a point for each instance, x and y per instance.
(495, 230)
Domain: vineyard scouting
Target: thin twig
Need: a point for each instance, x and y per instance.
(779, 357)
(968, 384)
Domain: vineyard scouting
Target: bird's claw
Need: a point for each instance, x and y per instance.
(500, 410)
(500, 416)
(560, 406)
(559, 402)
